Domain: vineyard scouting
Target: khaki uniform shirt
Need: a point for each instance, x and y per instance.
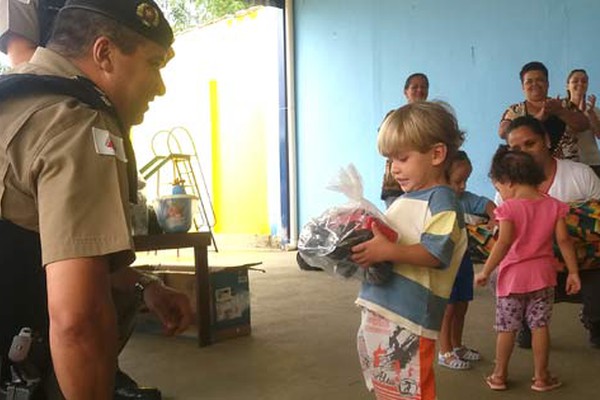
(20, 17)
(58, 175)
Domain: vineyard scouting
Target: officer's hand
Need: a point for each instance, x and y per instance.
(172, 307)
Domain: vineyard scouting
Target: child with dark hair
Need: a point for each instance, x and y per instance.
(527, 267)
(453, 354)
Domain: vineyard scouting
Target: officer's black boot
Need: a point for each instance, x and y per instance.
(127, 389)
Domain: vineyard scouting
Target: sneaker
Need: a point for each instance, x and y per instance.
(524, 338)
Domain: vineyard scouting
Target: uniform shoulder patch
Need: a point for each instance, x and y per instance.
(107, 144)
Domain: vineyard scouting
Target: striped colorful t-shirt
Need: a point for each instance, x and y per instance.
(416, 296)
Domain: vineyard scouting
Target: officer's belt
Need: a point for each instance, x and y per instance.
(78, 87)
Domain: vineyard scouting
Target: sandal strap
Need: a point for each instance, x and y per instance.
(452, 361)
(496, 382)
(467, 354)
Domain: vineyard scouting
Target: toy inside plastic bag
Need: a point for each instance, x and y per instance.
(326, 242)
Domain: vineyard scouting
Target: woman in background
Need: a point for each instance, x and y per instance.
(416, 88)
(577, 85)
(567, 181)
(562, 120)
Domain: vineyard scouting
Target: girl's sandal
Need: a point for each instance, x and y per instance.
(495, 382)
(452, 361)
(545, 385)
(467, 354)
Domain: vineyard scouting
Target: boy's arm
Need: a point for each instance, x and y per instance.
(565, 244)
(490, 206)
(501, 247)
(380, 249)
(489, 210)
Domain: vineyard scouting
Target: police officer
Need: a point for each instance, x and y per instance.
(67, 173)
(24, 25)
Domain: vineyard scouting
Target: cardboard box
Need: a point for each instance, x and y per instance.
(230, 302)
(229, 299)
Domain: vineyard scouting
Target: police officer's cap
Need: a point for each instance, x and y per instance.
(142, 16)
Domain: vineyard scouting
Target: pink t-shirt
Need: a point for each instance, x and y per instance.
(530, 263)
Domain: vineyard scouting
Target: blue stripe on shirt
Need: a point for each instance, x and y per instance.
(409, 299)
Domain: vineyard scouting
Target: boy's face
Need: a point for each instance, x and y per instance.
(414, 170)
(459, 174)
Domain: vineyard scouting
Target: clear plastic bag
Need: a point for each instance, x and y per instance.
(326, 242)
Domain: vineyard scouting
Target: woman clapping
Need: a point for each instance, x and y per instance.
(577, 85)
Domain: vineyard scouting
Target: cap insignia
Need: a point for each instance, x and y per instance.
(148, 15)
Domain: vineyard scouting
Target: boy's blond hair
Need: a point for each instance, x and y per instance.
(420, 126)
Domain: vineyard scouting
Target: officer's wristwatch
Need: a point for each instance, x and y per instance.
(143, 282)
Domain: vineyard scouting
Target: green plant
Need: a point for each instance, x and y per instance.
(184, 14)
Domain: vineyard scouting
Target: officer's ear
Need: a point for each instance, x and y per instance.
(103, 51)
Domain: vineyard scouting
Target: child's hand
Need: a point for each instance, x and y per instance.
(573, 284)
(374, 250)
(491, 224)
(481, 279)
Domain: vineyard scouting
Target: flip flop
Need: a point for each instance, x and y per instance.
(545, 385)
(495, 382)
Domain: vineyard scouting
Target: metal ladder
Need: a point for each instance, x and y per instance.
(183, 173)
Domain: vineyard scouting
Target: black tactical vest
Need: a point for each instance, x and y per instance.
(22, 291)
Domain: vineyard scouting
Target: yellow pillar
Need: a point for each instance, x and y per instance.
(216, 153)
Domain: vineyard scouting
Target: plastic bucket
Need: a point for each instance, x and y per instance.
(174, 212)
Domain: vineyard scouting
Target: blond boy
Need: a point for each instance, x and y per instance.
(401, 319)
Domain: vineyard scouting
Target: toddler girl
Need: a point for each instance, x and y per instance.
(528, 222)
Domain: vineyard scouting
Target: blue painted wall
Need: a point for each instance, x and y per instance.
(352, 57)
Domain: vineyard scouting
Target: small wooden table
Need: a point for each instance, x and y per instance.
(199, 241)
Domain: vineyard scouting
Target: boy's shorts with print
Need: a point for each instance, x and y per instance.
(396, 364)
(535, 308)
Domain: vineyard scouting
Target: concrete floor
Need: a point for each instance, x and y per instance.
(302, 346)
